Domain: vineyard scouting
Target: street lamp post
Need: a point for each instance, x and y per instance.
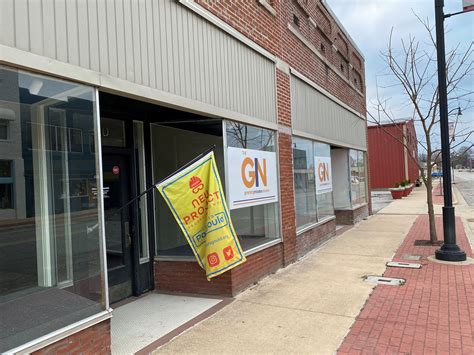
(449, 251)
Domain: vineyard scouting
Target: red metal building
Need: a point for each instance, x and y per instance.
(390, 161)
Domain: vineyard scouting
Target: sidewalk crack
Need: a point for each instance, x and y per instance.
(297, 309)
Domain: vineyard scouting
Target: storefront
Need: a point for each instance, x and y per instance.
(121, 98)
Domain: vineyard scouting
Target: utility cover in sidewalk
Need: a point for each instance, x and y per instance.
(404, 265)
(380, 280)
(411, 257)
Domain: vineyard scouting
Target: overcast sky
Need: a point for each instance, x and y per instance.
(369, 23)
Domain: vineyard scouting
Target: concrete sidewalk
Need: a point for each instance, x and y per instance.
(310, 306)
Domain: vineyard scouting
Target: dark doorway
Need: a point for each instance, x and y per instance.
(126, 231)
(118, 228)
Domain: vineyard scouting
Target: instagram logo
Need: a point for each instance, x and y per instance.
(213, 259)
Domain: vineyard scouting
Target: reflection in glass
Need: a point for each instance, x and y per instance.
(305, 185)
(311, 207)
(254, 225)
(4, 134)
(325, 203)
(358, 177)
(113, 132)
(139, 151)
(50, 262)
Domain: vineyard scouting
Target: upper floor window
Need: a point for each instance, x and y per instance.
(4, 130)
(6, 184)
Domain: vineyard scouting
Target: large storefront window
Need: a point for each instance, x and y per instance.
(172, 147)
(358, 177)
(322, 155)
(256, 216)
(305, 185)
(51, 265)
(313, 182)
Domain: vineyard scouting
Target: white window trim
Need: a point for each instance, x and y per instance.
(267, 6)
(263, 246)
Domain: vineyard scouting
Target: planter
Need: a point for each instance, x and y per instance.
(397, 193)
(406, 191)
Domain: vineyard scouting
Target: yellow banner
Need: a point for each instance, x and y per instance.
(196, 198)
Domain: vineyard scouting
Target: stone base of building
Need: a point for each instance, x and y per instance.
(349, 217)
(92, 340)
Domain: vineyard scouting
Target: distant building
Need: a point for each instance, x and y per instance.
(390, 161)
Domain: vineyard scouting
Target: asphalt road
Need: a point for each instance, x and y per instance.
(465, 183)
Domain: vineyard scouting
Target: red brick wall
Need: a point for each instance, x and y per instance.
(285, 151)
(272, 33)
(93, 340)
(188, 277)
(310, 239)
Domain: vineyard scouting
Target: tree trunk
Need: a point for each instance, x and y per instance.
(429, 202)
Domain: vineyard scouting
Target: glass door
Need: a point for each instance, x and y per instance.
(124, 173)
(118, 229)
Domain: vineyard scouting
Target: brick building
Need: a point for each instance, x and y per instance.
(102, 99)
(393, 154)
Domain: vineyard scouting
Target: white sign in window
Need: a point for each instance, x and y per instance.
(252, 177)
(322, 166)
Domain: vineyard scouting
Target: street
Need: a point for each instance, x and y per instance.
(464, 181)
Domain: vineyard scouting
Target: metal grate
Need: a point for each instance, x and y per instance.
(380, 280)
(403, 265)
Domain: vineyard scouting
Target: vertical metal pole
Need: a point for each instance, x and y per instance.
(100, 200)
(449, 251)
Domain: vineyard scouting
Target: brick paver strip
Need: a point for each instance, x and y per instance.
(433, 313)
(438, 198)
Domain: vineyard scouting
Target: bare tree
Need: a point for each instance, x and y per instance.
(413, 69)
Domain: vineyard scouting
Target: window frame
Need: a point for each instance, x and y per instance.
(279, 238)
(364, 163)
(97, 272)
(319, 220)
(6, 123)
